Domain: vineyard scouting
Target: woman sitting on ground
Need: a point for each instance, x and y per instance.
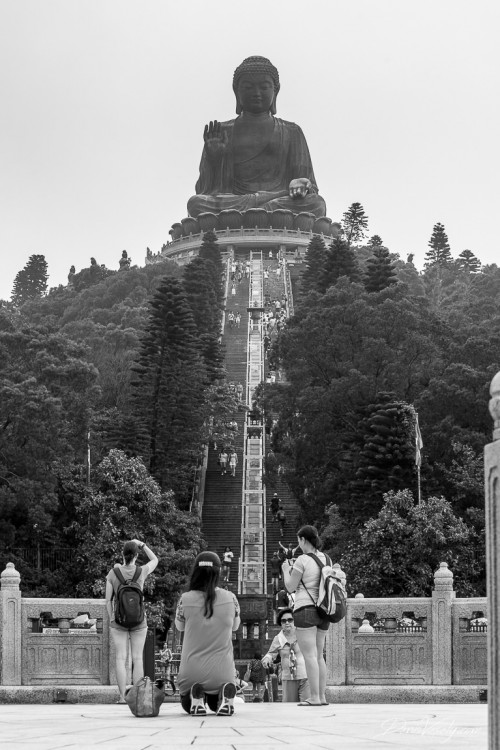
(208, 615)
(121, 635)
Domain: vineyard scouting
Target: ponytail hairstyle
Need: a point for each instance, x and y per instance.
(205, 577)
(310, 533)
(130, 550)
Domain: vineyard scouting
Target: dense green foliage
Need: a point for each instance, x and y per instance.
(361, 360)
(124, 502)
(397, 552)
(124, 368)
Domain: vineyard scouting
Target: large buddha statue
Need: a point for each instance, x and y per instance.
(257, 159)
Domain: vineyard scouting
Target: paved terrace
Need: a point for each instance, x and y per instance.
(265, 726)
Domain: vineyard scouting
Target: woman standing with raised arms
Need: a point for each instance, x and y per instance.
(121, 635)
(303, 577)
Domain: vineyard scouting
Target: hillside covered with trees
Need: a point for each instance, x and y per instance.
(374, 343)
(111, 386)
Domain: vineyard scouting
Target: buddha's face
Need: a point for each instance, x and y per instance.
(255, 92)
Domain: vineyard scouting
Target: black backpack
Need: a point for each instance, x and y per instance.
(129, 600)
(331, 604)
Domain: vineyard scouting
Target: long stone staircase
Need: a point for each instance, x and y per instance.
(222, 511)
(233, 505)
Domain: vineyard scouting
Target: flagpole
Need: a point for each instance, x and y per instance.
(418, 456)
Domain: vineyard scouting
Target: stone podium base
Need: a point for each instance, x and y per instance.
(93, 694)
(405, 693)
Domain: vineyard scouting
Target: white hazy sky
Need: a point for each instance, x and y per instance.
(103, 103)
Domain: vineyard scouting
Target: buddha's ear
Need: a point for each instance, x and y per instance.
(273, 104)
(239, 108)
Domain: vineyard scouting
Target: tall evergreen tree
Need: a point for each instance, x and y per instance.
(169, 384)
(439, 250)
(199, 283)
(354, 224)
(467, 261)
(382, 453)
(375, 241)
(312, 278)
(380, 270)
(210, 251)
(201, 294)
(340, 261)
(31, 281)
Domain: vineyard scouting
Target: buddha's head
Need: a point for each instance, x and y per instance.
(256, 84)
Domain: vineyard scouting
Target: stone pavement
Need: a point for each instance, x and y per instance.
(266, 726)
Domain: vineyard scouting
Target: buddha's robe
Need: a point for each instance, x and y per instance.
(259, 181)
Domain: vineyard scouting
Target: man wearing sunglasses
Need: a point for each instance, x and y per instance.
(293, 668)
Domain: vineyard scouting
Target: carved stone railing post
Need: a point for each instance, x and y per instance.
(492, 500)
(10, 626)
(442, 597)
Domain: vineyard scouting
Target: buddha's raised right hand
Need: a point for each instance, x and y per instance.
(215, 139)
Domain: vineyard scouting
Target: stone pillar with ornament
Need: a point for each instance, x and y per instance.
(442, 598)
(10, 626)
(492, 501)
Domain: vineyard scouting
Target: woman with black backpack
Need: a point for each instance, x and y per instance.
(125, 606)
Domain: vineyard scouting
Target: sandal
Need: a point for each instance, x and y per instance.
(308, 703)
(226, 698)
(197, 701)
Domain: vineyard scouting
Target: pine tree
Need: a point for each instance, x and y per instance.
(355, 224)
(383, 453)
(467, 261)
(169, 384)
(31, 281)
(340, 261)
(439, 252)
(199, 282)
(312, 278)
(380, 272)
(375, 241)
(210, 251)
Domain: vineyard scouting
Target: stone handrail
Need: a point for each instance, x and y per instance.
(441, 650)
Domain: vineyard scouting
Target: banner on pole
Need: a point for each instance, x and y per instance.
(418, 443)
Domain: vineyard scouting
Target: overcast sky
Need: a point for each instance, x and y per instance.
(103, 104)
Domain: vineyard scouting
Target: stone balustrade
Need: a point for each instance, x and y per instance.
(415, 641)
(435, 645)
(34, 655)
